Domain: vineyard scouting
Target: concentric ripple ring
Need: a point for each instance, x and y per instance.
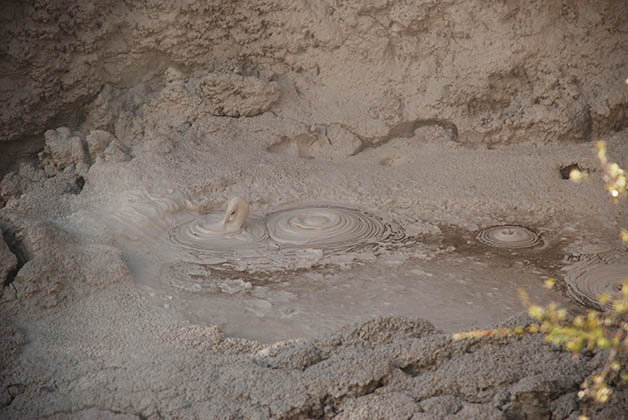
(587, 280)
(509, 236)
(325, 227)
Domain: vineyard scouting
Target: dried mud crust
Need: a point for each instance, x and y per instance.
(385, 368)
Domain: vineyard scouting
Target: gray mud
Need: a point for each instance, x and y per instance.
(404, 163)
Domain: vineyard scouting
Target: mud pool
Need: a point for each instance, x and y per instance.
(382, 239)
(300, 271)
(452, 292)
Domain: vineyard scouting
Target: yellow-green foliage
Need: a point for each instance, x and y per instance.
(607, 330)
(596, 330)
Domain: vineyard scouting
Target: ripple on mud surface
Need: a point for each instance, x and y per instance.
(509, 236)
(328, 228)
(593, 276)
(169, 228)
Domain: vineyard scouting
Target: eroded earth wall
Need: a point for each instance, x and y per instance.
(502, 71)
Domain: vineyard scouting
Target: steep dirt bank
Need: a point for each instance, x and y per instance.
(502, 72)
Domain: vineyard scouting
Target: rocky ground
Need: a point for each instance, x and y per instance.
(449, 113)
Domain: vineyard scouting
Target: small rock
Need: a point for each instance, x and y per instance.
(97, 141)
(419, 228)
(11, 186)
(442, 405)
(116, 152)
(76, 186)
(62, 150)
(299, 357)
(234, 286)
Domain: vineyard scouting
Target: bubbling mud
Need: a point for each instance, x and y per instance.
(327, 228)
(593, 276)
(203, 234)
(509, 236)
(287, 238)
(301, 270)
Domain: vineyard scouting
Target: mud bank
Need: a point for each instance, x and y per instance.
(429, 138)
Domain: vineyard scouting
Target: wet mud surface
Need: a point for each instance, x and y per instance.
(305, 270)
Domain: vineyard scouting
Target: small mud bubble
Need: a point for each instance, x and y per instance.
(509, 236)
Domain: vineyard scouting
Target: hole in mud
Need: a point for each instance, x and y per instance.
(80, 182)
(10, 238)
(565, 170)
(75, 187)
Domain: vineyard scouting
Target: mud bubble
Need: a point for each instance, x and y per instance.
(509, 236)
(329, 228)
